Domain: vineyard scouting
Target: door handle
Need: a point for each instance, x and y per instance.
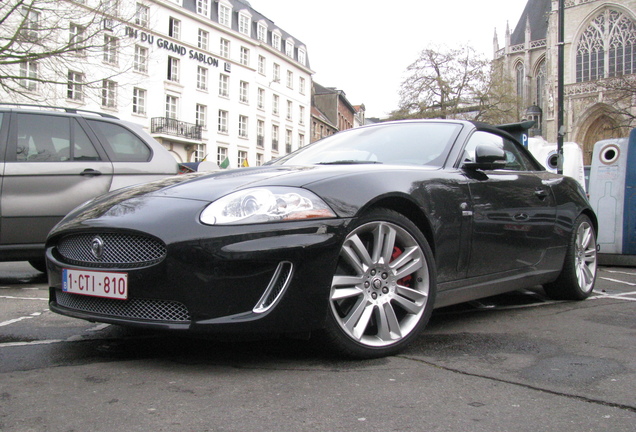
(89, 172)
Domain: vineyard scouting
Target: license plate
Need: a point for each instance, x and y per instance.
(95, 283)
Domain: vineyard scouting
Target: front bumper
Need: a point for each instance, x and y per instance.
(252, 279)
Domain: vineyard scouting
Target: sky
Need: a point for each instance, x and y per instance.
(363, 47)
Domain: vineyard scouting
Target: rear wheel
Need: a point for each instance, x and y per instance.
(383, 290)
(578, 275)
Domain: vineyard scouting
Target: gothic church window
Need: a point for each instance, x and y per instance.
(607, 47)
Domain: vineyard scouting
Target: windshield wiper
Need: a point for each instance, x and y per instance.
(348, 162)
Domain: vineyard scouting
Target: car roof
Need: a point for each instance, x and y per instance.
(7, 106)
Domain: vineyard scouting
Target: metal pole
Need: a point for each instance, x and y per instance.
(560, 91)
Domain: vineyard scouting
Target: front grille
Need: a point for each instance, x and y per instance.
(113, 250)
(144, 309)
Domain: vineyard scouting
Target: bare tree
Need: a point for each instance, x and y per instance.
(42, 40)
(620, 99)
(443, 82)
(497, 101)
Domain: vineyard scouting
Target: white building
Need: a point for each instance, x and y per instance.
(208, 79)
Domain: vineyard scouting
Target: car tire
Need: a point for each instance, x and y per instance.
(578, 275)
(38, 264)
(383, 289)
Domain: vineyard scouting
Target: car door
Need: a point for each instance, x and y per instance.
(514, 212)
(51, 167)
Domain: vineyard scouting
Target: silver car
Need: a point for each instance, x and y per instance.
(52, 160)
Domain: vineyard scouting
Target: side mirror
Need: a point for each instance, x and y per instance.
(487, 157)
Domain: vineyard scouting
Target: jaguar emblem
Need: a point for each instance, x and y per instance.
(97, 247)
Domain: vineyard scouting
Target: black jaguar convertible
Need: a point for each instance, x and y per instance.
(354, 239)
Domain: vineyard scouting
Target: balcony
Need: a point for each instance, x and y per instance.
(174, 127)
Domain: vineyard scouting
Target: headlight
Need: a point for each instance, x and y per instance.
(259, 205)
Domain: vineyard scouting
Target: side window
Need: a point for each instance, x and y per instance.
(516, 159)
(46, 138)
(120, 143)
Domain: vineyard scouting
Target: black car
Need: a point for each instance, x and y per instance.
(355, 238)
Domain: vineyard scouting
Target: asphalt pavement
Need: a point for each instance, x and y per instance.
(518, 362)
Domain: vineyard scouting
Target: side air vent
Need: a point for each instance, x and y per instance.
(276, 288)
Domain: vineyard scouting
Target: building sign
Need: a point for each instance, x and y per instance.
(172, 47)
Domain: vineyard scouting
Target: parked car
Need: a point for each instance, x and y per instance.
(355, 238)
(54, 159)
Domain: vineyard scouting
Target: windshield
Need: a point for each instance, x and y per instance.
(396, 143)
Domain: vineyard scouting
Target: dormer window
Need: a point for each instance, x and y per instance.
(302, 57)
(261, 34)
(289, 48)
(245, 23)
(225, 15)
(276, 40)
(203, 7)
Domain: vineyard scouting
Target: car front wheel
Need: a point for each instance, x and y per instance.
(383, 290)
(578, 275)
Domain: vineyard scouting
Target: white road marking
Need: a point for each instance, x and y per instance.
(24, 298)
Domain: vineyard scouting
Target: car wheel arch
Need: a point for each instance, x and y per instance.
(407, 208)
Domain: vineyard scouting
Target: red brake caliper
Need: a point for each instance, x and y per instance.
(406, 280)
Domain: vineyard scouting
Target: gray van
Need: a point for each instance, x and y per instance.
(54, 159)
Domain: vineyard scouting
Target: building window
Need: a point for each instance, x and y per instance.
(301, 140)
(202, 40)
(261, 33)
(245, 56)
(174, 28)
(520, 73)
(276, 40)
(261, 65)
(74, 87)
(225, 15)
(607, 47)
(260, 159)
(30, 24)
(109, 94)
(224, 85)
(274, 138)
(540, 81)
(203, 7)
(275, 104)
(110, 49)
(202, 78)
(29, 75)
(76, 38)
(260, 134)
(301, 85)
(302, 57)
(224, 48)
(288, 140)
(173, 69)
(245, 22)
(242, 159)
(301, 114)
(290, 107)
(140, 63)
(201, 115)
(242, 126)
(223, 116)
(290, 79)
(289, 49)
(139, 101)
(276, 76)
(142, 14)
(221, 157)
(261, 99)
(244, 92)
(172, 107)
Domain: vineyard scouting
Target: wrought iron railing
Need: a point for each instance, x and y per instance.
(170, 126)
